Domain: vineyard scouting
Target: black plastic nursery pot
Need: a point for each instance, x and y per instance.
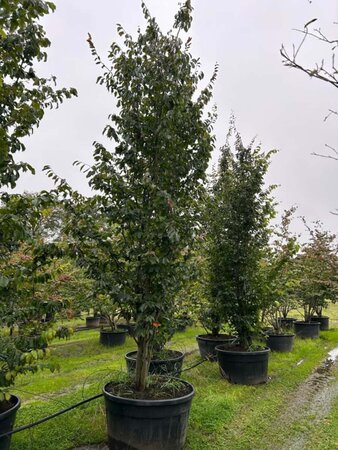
(307, 330)
(135, 424)
(241, 367)
(323, 320)
(171, 365)
(287, 322)
(130, 327)
(207, 344)
(112, 338)
(280, 342)
(92, 322)
(7, 419)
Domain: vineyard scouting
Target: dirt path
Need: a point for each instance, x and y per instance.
(310, 404)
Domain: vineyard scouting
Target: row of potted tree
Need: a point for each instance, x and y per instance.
(138, 236)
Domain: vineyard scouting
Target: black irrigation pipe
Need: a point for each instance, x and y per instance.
(194, 365)
(44, 419)
(69, 408)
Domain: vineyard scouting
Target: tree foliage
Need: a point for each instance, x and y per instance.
(240, 210)
(148, 186)
(318, 271)
(279, 272)
(24, 95)
(25, 270)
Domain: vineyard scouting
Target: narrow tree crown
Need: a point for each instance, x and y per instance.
(240, 210)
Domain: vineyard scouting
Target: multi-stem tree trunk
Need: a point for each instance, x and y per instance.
(142, 363)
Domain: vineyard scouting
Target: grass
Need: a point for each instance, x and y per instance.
(223, 416)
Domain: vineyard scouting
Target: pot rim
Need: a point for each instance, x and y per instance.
(288, 320)
(177, 358)
(304, 322)
(151, 403)
(14, 408)
(113, 331)
(231, 352)
(282, 335)
(203, 338)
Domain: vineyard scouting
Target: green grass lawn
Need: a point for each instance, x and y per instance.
(223, 416)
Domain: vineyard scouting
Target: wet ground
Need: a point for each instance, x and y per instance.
(311, 402)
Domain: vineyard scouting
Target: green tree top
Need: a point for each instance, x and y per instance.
(23, 94)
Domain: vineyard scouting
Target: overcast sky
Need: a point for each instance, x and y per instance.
(282, 106)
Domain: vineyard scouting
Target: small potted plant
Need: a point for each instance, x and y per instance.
(319, 317)
(318, 268)
(278, 272)
(210, 318)
(93, 319)
(110, 335)
(279, 338)
(240, 210)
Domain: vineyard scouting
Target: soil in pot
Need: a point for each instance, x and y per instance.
(240, 366)
(280, 342)
(168, 362)
(148, 423)
(207, 344)
(323, 320)
(112, 338)
(92, 322)
(8, 411)
(307, 330)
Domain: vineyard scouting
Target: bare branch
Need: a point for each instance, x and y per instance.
(332, 148)
(328, 156)
(324, 156)
(329, 75)
(320, 35)
(331, 111)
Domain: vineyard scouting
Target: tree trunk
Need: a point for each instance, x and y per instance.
(142, 363)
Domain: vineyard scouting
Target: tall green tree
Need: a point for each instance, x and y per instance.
(149, 184)
(24, 95)
(240, 210)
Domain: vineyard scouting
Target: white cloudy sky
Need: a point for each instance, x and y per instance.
(283, 107)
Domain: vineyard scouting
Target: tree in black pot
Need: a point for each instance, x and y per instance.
(240, 211)
(318, 279)
(148, 188)
(280, 283)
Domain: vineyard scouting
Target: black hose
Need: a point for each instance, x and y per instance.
(194, 365)
(44, 419)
